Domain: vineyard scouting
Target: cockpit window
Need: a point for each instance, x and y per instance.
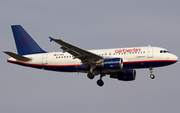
(164, 51)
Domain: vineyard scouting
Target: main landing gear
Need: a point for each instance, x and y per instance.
(99, 82)
(90, 75)
(151, 71)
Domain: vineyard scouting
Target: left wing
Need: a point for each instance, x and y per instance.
(87, 58)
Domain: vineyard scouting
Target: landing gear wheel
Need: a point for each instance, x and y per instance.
(151, 71)
(100, 82)
(90, 75)
(152, 76)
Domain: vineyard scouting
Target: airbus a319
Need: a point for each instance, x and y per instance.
(118, 63)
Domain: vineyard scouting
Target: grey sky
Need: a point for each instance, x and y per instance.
(93, 24)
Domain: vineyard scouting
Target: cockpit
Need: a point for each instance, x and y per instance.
(164, 51)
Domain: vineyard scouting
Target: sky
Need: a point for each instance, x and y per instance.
(93, 24)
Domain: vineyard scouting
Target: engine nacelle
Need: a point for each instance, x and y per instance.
(112, 63)
(127, 75)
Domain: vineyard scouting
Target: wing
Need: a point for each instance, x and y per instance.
(87, 58)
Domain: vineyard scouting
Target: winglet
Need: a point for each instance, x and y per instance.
(51, 39)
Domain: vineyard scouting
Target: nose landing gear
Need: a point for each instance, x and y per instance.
(151, 71)
(152, 76)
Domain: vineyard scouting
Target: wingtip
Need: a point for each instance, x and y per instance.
(51, 39)
(5, 51)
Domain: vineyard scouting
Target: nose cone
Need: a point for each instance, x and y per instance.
(175, 58)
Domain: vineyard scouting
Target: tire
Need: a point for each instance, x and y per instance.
(90, 75)
(152, 76)
(100, 83)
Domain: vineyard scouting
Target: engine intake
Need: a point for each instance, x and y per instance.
(127, 75)
(113, 63)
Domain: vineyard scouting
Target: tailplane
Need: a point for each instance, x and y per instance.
(17, 57)
(24, 43)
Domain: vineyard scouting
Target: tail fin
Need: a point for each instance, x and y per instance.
(24, 43)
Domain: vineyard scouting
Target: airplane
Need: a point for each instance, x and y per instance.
(119, 63)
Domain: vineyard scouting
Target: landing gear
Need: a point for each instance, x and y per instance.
(100, 82)
(152, 76)
(151, 71)
(90, 75)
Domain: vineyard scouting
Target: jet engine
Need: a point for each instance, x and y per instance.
(112, 63)
(127, 75)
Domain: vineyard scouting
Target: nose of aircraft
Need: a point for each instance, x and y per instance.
(175, 58)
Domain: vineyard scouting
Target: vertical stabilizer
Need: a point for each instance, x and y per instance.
(24, 43)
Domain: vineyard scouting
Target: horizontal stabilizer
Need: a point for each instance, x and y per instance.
(16, 56)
